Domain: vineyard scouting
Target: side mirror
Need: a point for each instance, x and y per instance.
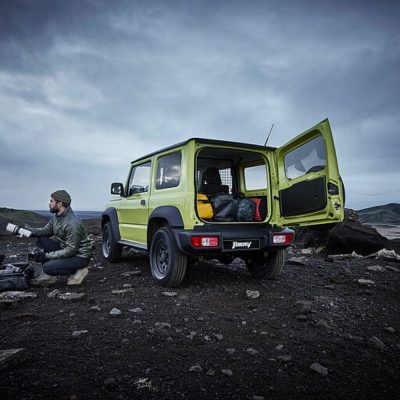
(117, 188)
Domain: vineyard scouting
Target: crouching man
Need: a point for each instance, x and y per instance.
(62, 246)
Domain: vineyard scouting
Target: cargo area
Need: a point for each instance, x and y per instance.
(232, 185)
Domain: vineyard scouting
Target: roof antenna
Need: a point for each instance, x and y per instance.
(269, 134)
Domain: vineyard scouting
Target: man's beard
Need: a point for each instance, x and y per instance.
(54, 210)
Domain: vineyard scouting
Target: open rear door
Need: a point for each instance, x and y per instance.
(310, 189)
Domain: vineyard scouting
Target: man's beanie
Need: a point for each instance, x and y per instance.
(61, 195)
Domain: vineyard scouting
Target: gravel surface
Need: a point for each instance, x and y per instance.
(321, 330)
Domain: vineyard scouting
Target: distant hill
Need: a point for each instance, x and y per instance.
(386, 214)
(20, 217)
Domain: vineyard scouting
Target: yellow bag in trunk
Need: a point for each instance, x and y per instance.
(204, 208)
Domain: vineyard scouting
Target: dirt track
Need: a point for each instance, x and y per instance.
(209, 341)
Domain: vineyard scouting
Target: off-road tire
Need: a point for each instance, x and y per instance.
(266, 267)
(167, 262)
(112, 251)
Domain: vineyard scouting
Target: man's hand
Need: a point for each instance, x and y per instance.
(38, 255)
(18, 230)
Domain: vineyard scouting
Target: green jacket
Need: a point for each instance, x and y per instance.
(69, 231)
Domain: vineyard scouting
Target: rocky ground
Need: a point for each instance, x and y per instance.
(323, 329)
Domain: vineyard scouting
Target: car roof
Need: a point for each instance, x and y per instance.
(250, 146)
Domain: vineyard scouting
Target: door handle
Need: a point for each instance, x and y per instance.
(142, 202)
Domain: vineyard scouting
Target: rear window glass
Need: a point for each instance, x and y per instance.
(255, 177)
(169, 171)
(309, 157)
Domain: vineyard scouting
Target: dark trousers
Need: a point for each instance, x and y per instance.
(61, 266)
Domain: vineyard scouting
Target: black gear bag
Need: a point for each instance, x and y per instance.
(224, 206)
(15, 276)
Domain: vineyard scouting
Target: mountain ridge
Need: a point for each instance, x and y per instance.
(388, 214)
(20, 217)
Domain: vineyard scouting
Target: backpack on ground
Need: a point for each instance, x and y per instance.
(16, 276)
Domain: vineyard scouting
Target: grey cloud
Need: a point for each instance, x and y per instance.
(112, 82)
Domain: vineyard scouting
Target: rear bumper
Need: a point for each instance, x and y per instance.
(233, 239)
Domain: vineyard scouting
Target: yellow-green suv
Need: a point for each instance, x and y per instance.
(206, 198)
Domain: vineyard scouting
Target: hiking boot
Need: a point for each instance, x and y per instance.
(44, 280)
(78, 276)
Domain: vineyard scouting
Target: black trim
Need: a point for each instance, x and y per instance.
(135, 245)
(251, 232)
(304, 197)
(208, 141)
(111, 214)
(170, 213)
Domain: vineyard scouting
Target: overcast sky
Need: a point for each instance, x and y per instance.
(88, 86)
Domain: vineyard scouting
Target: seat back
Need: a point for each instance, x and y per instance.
(211, 182)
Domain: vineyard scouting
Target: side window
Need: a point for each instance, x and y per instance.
(139, 179)
(169, 171)
(255, 177)
(309, 157)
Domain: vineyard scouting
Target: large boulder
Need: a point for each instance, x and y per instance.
(316, 236)
(350, 236)
(345, 237)
(313, 236)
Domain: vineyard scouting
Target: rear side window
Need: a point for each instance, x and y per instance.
(255, 177)
(309, 157)
(169, 171)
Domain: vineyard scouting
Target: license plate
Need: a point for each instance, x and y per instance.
(241, 244)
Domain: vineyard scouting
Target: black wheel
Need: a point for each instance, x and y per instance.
(268, 267)
(167, 262)
(111, 249)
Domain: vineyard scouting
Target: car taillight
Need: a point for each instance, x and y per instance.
(205, 241)
(282, 238)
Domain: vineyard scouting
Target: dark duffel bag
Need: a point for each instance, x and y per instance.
(224, 206)
(15, 276)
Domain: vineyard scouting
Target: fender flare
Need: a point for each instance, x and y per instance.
(111, 214)
(170, 213)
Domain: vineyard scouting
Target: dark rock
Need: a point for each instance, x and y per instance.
(390, 329)
(319, 369)
(72, 296)
(351, 215)
(314, 236)
(285, 358)
(11, 357)
(195, 368)
(298, 260)
(345, 237)
(349, 236)
(110, 384)
(302, 307)
(377, 343)
(76, 334)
